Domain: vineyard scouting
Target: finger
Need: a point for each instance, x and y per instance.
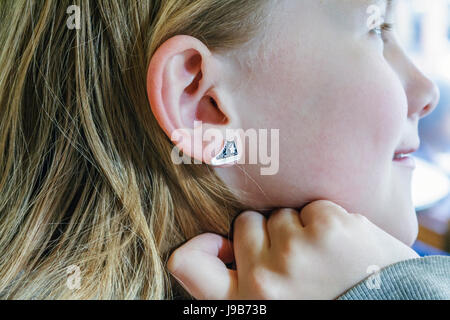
(283, 222)
(250, 238)
(199, 266)
(319, 210)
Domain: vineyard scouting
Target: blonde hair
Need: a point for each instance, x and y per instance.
(86, 177)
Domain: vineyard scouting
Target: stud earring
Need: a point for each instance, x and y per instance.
(228, 155)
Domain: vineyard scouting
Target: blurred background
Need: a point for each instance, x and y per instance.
(424, 30)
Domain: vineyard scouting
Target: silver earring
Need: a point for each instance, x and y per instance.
(228, 155)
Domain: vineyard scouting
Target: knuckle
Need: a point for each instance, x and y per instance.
(276, 219)
(324, 225)
(320, 205)
(328, 220)
(284, 211)
(277, 213)
(330, 207)
(282, 224)
(245, 217)
(324, 203)
(327, 215)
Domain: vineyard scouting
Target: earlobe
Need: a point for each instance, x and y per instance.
(182, 91)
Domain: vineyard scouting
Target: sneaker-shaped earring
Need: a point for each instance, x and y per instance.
(228, 155)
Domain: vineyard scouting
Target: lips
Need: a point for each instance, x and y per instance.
(402, 153)
(403, 157)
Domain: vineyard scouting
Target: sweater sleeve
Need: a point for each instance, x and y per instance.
(426, 278)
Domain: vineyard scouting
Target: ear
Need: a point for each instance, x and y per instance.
(187, 93)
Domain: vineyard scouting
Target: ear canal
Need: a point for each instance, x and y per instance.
(208, 112)
(214, 103)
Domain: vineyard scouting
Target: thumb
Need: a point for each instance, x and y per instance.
(199, 266)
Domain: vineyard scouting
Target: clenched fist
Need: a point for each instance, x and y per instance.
(317, 254)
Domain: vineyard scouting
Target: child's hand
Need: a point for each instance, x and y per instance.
(317, 254)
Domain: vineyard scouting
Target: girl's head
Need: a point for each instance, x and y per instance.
(345, 98)
(87, 177)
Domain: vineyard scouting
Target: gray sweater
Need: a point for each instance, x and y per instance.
(426, 278)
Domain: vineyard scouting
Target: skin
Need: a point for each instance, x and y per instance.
(349, 98)
(341, 126)
(318, 254)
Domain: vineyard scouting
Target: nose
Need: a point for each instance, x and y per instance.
(423, 94)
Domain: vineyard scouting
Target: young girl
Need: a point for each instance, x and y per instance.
(88, 109)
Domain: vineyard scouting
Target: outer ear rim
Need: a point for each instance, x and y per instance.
(154, 87)
(156, 70)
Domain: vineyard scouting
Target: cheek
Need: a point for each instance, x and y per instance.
(356, 128)
(337, 141)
